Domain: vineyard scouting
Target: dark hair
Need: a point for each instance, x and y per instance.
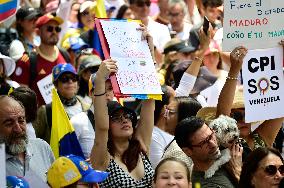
(83, 87)
(169, 72)
(187, 107)
(29, 100)
(130, 156)
(160, 104)
(121, 11)
(251, 164)
(185, 129)
(212, 3)
(171, 159)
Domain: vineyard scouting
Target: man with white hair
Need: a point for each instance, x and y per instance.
(25, 157)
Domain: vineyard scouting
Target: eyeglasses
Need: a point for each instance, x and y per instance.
(66, 78)
(51, 28)
(238, 115)
(143, 3)
(205, 141)
(169, 112)
(271, 170)
(85, 13)
(120, 118)
(174, 14)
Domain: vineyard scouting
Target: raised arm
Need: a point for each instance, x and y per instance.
(227, 94)
(99, 155)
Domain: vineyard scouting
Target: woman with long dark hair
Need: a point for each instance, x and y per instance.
(121, 146)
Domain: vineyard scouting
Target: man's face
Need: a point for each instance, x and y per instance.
(12, 126)
(141, 9)
(49, 33)
(176, 16)
(204, 145)
(212, 13)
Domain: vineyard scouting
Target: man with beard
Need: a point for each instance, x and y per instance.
(25, 158)
(199, 142)
(33, 67)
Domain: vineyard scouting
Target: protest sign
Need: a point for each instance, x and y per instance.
(45, 86)
(136, 71)
(255, 24)
(3, 166)
(263, 84)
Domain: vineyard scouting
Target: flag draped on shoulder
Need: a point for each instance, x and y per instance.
(63, 139)
(7, 8)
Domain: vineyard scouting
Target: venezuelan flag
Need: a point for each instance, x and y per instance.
(63, 139)
(7, 8)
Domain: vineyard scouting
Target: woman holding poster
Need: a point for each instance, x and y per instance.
(121, 147)
(231, 103)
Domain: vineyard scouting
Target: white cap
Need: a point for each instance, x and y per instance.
(87, 4)
(16, 50)
(9, 64)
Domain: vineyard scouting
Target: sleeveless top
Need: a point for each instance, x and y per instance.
(118, 178)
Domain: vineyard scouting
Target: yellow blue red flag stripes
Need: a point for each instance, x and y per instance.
(7, 8)
(63, 139)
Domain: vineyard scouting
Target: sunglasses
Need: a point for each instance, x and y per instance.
(85, 13)
(143, 3)
(205, 141)
(120, 118)
(238, 115)
(51, 28)
(271, 170)
(93, 70)
(65, 79)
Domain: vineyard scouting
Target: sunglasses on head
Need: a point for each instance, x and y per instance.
(238, 115)
(51, 28)
(271, 170)
(143, 3)
(66, 78)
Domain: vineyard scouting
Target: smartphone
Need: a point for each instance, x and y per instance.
(206, 25)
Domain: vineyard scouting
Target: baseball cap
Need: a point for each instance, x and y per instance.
(185, 47)
(87, 4)
(75, 43)
(59, 69)
(27, 13)
(89, 61)
(9, 64)
(46, 18)
(16, 182)
(114, 106)
(171, 46)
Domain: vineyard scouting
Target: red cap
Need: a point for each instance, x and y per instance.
(46, 18)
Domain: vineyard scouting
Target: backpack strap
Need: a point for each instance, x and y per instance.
(33, 66)
(91, 118)
(48, 109)
(65, 54)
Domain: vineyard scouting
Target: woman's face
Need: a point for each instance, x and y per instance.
(171, 116)
(211, 59)
(87, 19)
(121, 125)
(264, 176)
(128, 14)
(239, 116)
(172, 174)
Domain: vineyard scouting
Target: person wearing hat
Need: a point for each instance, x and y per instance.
(74, 171)
(7, 67)
(65, 80)
(35, 66)
(26, 18)
(231, 103)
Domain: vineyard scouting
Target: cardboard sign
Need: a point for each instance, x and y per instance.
(255, 24)
(3, 166)
(136, 71)
(263, 84)
(45, 86)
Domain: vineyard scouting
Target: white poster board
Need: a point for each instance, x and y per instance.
(263, 84)
(45, 86)
(2, 166)
(255, 24)
(136, 71)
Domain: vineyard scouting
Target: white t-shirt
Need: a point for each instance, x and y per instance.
(84, 132)
(160, 140)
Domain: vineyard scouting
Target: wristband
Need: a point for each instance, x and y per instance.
(97, 95)
(198, 59)
(232, 78)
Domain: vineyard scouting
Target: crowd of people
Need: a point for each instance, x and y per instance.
(196, 136)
